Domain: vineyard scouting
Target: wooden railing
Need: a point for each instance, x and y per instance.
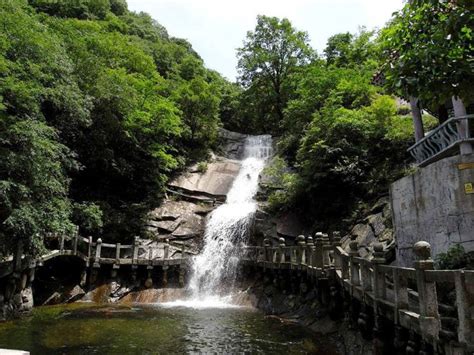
(443, 141)
(409, 297)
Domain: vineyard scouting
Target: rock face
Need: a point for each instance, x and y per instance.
(231, 144)
(375, 228)
(195, 193)
(213, 183)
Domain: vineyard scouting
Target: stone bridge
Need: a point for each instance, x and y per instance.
(17, 272)
(418, 310)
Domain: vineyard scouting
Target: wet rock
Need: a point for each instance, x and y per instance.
(231, 144)
(363, 234)
(377, 222)
(27, 300)
(216, 181)
(55, 298)
(75, 294)
(380, 205)
(289, 225)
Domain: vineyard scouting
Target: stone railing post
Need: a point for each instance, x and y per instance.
(427, 297)
(326, 250)
(61, 243)
(166, 249)
(117, 252)
(354, 266)
(462, 126)
(281, 247)
(309, 251)
(380, 290)
(76, 237)
(136, 245)
(300, 251)
(336, 242)
(89, 250)
(266, 251)
(465, 305)
(98, 249)
(318, 250)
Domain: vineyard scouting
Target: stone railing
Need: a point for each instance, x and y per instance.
(97, 253)
(443, 141)
(438, 305)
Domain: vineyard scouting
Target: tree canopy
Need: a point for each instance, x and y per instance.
(428, 50)
(98, 107)
(270, 55)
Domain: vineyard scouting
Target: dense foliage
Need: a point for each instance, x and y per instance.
(428, 50)
(98, 106)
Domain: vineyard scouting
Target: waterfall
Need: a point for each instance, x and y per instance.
(214, 269)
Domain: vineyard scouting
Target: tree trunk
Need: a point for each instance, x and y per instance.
(463, 125)
(417, 121)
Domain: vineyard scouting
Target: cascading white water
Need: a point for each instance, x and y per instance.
(214, 269)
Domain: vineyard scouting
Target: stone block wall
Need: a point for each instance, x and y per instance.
(435, 204)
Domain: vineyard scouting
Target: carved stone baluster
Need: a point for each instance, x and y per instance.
(428, 300)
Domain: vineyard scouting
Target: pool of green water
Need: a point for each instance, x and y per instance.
(84, 328)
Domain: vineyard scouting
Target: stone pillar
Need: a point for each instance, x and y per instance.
(309, 251)
(326, 250)
(83, 279)
(136, 246)
(282, 245)
(428, 300)
(165, 276)
(300, 251)
(266, 250)
(354, 266)
(98, 249)
(166, 249)
(465, 306)
(380, 292)
(181, 276)
(417, 118)
(463, 125)
(318, 250)
(149, 280)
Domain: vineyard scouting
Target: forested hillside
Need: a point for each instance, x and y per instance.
(98, 106)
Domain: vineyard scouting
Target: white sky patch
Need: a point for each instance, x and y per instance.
(216, 28)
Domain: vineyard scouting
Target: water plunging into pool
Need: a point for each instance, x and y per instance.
(214, 269)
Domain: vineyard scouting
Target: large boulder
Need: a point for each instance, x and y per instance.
(231, 144)
(215, 182)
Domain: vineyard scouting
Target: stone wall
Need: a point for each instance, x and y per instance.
(434, 204)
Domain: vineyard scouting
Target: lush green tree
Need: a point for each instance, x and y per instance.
(33, 184)
(200, 106)
(428, 50)
(269, 56)
(94, 108)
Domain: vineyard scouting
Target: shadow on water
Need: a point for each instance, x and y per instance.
(146, 329)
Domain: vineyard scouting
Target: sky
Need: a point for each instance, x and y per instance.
(216, 28)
